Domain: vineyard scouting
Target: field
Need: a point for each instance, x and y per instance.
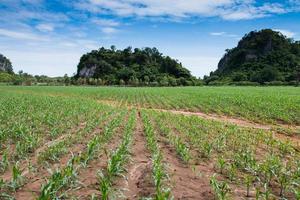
(149, 143)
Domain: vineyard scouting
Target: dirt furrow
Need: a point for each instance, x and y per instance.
(138, 182)
(87, 177)
(185, 183)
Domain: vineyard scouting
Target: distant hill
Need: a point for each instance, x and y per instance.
(130, 66)
(5, 65)
(261, 56)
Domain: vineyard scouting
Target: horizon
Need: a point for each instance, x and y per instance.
(48, 38)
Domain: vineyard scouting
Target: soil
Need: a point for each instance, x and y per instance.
(184, 182)
(138, 182)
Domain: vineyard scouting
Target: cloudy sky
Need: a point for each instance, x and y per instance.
(49, 36)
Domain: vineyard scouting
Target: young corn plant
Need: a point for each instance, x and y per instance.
(159, 175)
(17, 178)
(232, 171)
(53, 153)
(207, 149)
(4, 163)
(221, 163)
(182, 149)
(284, 178)
(297, 193)
(248, 181)
(221, 189)
(91, 148)
(58, 180)
(105, 185)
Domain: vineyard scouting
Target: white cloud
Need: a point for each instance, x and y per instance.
(45, 27)
(21, 35)
(105, 22)
(249, 11)
(224, 34)
(109, 30)
(218, 33)
(287, 33)
(226, 9)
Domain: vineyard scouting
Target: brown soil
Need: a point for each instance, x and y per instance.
(88, 179)
(185, 183)
(138, 182)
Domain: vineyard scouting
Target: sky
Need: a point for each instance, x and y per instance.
(48, 37)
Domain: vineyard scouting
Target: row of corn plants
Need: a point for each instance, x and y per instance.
(182, 148)
(117, 160)
(162, 191)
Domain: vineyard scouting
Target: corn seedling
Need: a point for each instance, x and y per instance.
(248, 181)
(4, 163)
(221, 164)
(221, 189)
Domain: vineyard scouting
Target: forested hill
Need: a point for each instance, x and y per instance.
(5, 65)
(261, 56)
(139, 66)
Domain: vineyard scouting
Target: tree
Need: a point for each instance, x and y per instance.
(269, 74)
(67, 80)
(5, 65)
(172, 81)
(6, 77)
(122, 82)
(239, 76)
(146, 80)
(134, 81)
(164, 81)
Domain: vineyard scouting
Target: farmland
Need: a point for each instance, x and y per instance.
(159, 143)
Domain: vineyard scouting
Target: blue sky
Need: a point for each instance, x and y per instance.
(49, 36)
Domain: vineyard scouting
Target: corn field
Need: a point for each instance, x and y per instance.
(129, 143)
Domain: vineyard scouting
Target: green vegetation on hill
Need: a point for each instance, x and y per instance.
(133, 67)
(5, 65)
(263, 57)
